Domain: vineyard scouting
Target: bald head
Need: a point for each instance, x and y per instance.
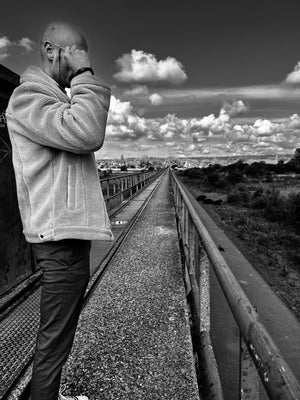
(56, 41)
(63, 34)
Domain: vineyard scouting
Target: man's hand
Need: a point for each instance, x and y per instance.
(76, 58)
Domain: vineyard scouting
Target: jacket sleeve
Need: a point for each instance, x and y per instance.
(77, 126)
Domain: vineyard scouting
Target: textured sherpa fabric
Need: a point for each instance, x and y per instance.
(53, 139)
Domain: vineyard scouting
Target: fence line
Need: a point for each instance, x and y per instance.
(117, 189)
(260, 359)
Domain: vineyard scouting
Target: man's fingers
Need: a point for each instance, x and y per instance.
(55, 55)
(76, 58)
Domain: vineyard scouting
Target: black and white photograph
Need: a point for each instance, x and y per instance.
(150, 200)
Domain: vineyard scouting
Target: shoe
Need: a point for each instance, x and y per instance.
(61, 397)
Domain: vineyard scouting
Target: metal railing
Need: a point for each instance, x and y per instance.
(260, 359)
(117, 189)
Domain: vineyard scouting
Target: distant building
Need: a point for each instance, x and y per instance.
(190, 164)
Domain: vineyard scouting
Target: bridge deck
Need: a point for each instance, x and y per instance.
(133, 339)
(134, 332)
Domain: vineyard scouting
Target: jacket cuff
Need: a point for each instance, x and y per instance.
(83, 79)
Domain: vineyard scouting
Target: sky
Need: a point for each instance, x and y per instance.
(188, 78)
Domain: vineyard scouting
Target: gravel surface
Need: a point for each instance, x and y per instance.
(133, 339)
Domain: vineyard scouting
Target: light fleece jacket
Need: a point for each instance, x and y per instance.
(53, 142)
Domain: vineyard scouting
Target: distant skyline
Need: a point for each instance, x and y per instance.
(189, 78)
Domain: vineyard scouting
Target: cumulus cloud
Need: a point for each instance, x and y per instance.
(234, 108)
(123, 123)
(4, 44)
(119, 111)
(262, 135)
(293, 77)
(156, 99)
(137, 90)
(212, 133)
(25, 44)
(212, 125)
(264, 127)
(140, 67)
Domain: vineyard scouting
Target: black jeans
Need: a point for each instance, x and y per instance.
(65, 266)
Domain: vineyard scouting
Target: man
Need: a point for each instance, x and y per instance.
(60, 200)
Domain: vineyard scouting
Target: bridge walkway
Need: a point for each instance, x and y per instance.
(133, 340)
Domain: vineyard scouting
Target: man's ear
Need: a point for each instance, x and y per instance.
(49, 50)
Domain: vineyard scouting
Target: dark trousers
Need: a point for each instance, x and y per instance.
(65, 266)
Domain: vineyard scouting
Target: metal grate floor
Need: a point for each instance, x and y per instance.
(18, 334)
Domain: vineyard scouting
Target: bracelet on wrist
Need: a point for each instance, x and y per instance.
(82, 70)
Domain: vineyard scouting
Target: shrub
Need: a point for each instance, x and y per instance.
(213, 178)
(241, 188)
(107, 173)
(233, 197)
(192, 172)
(292, 206)
(253, 170)
(258, 202)
(275, 209)
(269, 177)
(235, 177)
(238, 197)
(258, 192)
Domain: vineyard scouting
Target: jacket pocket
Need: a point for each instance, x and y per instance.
(71, 184)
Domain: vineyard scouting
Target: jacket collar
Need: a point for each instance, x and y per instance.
(35, 74)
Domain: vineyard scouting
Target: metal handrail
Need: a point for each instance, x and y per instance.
(124, 175)
(116, 189)
(276, 376)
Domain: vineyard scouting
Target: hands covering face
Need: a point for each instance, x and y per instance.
(75, 58)
(68, 60)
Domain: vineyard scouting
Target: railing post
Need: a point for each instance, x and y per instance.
(122, 189)
(204, 288)
(179, 213)
(178, 205)
(186, 227)
(250, 385)
(107, 194)
(191, 283)
(130, 185)
(182, 216)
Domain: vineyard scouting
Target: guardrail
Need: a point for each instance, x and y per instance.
(260, 359)
(117, 189)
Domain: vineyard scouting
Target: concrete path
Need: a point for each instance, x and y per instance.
(133, 340)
